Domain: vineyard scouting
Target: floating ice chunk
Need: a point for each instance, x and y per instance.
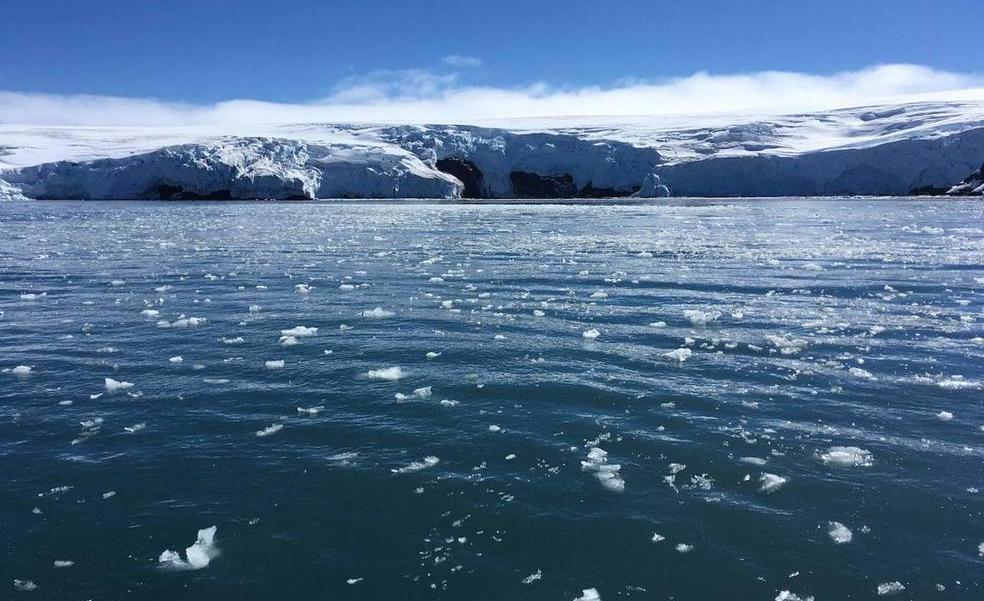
(302, 288)
(433, 355)
(770, 483)
(538, 313)
(957, 383)
(944, 416)
(494, 428)
(658, 324)
(289, 341)
(346, 287)
(416, 466)
(753, 460)
(423, 392)
(499, 337)
(684, 548)
(839, 533)
(33, 296)
(186, 322)
(114, 385)
(448, 403)
(176, 359)
(786, 345)
(389, 373)
(310, 410)
(354, 581)
(21, 370)
(236, 340)
(537, 575)
(847, 456)
(299, 331)
(680, 354)
(378, 313)
(199, 555)
(63, 563)
(109, 494)
(700, 317)
(606, 473)
(135, 427)
(980, 549)
(25, 585)
(279, 363)
(658, 538)
(589, 594)
(788, 596)
(271, 429)
(857, 372)
(150, 313)
(599, 294)
(590, 334)
(890, 588)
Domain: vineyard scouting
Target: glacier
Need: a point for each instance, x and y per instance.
(925, 147)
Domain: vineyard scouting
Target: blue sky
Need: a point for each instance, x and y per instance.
(182, 61)
(296, 50)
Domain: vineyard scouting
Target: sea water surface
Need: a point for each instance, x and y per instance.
(689, 400)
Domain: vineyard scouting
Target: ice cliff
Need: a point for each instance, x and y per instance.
(914, 148)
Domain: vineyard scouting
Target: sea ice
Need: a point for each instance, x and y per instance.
(770, 483)
(198, 555)
(299, 331)
(21, 370)
(839, 533)
(417, 466)
(890, 588)
(271, 429)
(114, 385)
(589, 594)
(378, 313)
(847, 456)
(591, 334)
(390, 373)
(277, 364)
(680, 354)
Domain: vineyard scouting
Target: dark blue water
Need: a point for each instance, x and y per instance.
(534, 461)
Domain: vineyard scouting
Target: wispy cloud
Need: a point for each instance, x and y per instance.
(459, 61)
(442, 97)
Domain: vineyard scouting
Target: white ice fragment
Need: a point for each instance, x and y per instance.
(114, 385)
(599, 294)
(700, 317)
(770, 483)
(658, 538)
(176, 359)
(310, 410)
(684, 548)
(135, 427)
(299, 331)
(199, 555)
(658, 324)
(63, 563)
(590, 334)
(21, 370)
(389, 373)
(417, 466)
(271, 429)
(847, 456)
(680, 354)
(533, 577)
(944, 416)
(289, 341)
(279, 363)
(839, 533)
(150, 313)
(788, 596)
(890, 588)
(25, 585)
(589, 594)
(378, 313)
(433, 355)
(422, 393)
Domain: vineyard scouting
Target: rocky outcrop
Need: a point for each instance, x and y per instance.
(973, 185)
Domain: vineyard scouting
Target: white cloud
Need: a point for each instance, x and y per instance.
(427, 96)
(460, 61)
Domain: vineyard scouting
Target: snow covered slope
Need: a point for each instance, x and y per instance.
(926, 147)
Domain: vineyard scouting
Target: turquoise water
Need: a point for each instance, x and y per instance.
(644, 400)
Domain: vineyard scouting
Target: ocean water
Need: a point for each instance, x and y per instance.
(689, 400)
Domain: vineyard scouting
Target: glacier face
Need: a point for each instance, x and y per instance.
(925, 147)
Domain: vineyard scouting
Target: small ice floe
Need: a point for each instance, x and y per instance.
(63, 563)
(433, 355)
(176, 360)
(389, 373)
(599, 294)
(423, 392)
(183, 322)
(150, 313)
(658, 538)
(890, 588)
(271, 429)
(606, 473)
(289, 341)
(847, 457)
(590, 334)
(299, 332)
(416, 466)
(33, 296)
(279, 363)
(499, 337)
(839, 533)
(537, 575)
(684, 548)
(494, 428)
(352, 581)
(114, 385)
(958, 383)
(21, 370)
(944, 416)
(538, 313)
(770, 483)
(198, 556)
(980, 549)
(589, 594)
(135, 427)
(753, 460)
(25, 585)
(378, 313)
(302, 288)
(658, 324)
(788, 596)
(310, 410)
(786, 345)
(700, 317)
(680, 355)
(864, 374)
(236, 340)
(109, 494)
